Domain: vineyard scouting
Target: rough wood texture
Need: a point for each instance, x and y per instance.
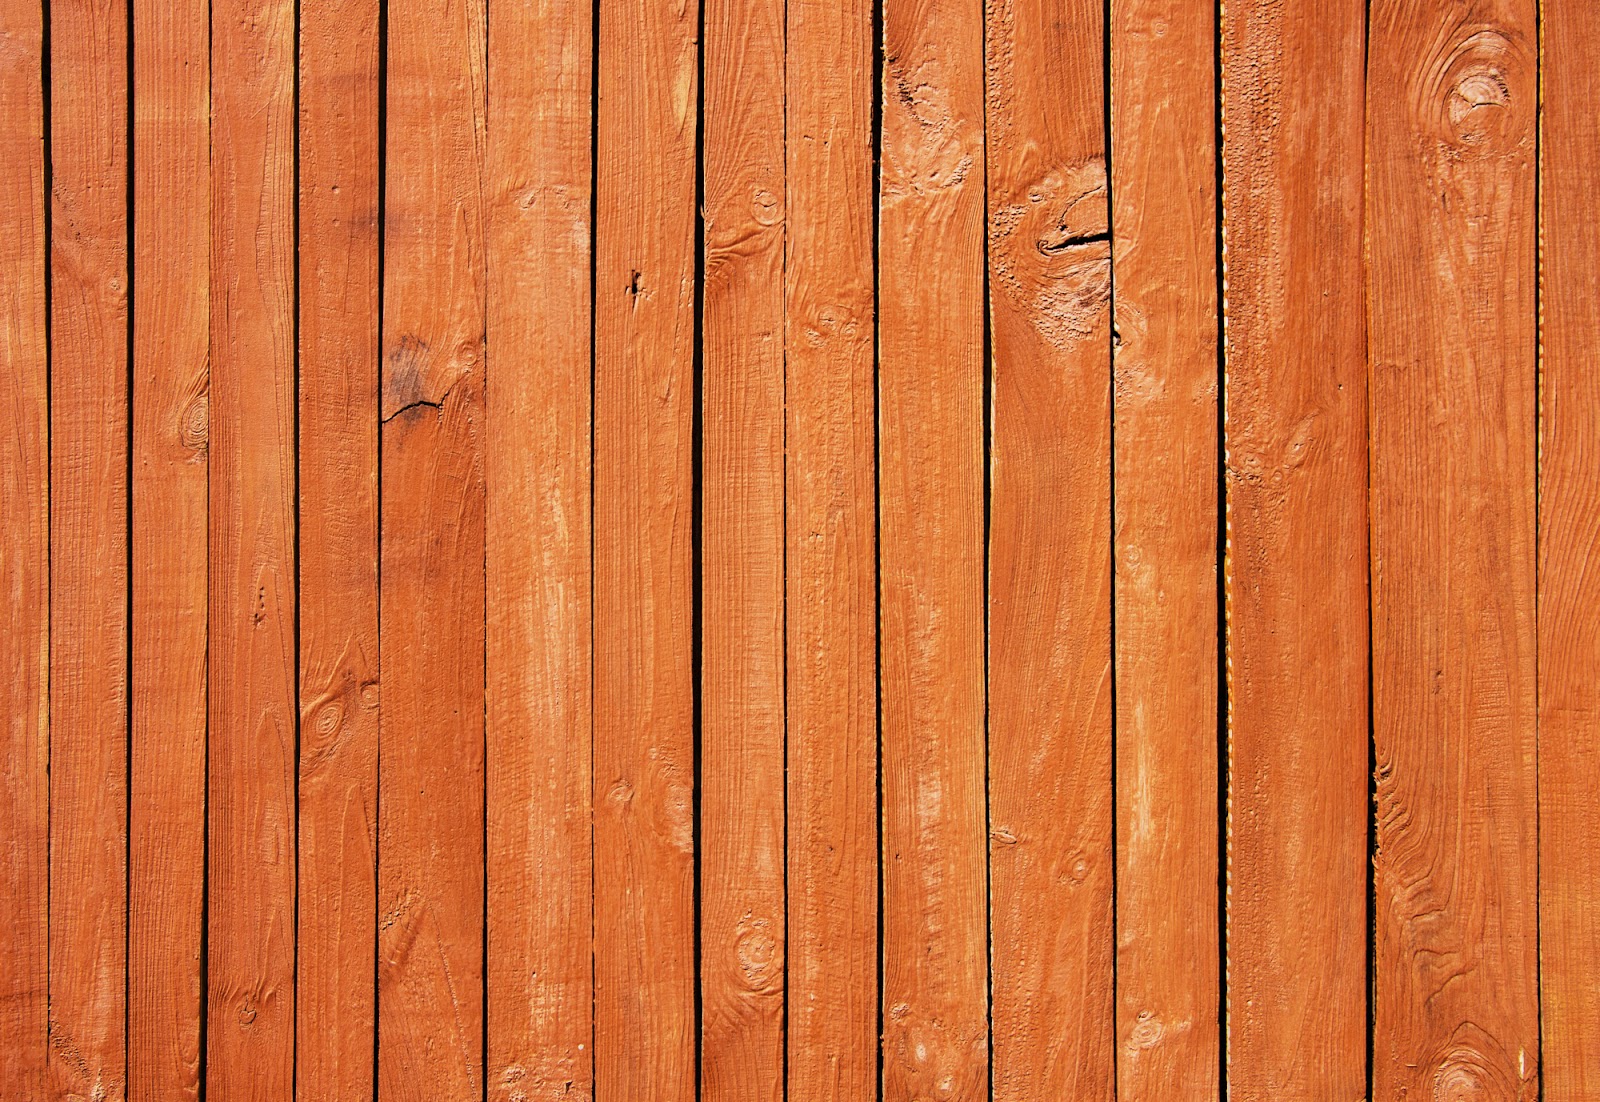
(1295, 426)
(831, 600)
(338, 391)
(930, 392)
(537, 477)
(1452, 98)
(1163, 188)
(1050, 806)
(1569, 540)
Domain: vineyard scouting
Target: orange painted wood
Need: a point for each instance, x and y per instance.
(537, 480)
(931, 515)
(431, 725)
(24, 560)
(1295, 425)
(742, 931)
(1569, 536)
(338, 514)
(831, 589)
(1163, 158)
(1050, 805)
(1452, 110)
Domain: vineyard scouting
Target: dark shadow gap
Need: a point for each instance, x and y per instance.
(1224, 681)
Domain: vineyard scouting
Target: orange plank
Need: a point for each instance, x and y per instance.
(338, 392)
(24, 560)
(88, 548)
(1452, 110)
(831, 587)
(644, 767)
(1163, 97)
(537, 472)
(1050, 807)
(1296, 574)
(431, 743)
(930, 492)
(1569, 533)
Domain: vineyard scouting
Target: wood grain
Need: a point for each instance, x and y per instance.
(537, 479)
(1163, 188)
(1569, 536)
(24, 560)
(1295, 425)
(335, 1015)
(431, 725)
(1452, 95)
(931, 515)
(830, 592)
(1050, 806)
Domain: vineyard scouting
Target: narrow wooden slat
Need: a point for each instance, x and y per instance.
(742, 933)
(536, 455)
(24, 559)
(171, 430)
(430, 842)
(88, 548)
(930, 391)
(1452, 110)
(1163, 103)
(1569, 536)
(831, 617)
(1050, 807)
(643, 557)
(338, 470)
(1295, 424)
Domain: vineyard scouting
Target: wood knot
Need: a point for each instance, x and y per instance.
(1480, 94)
(194, 426)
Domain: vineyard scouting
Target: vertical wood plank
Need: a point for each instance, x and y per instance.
(24, 559)
(930, 387)
(537, 473)
(1569, 532)
(430, 847)
(338, 471)
(1452, 115)
(1050, 807)
(831, 599)
(1295, 424)
(1163, 126)
(88, 548)
(742, 933)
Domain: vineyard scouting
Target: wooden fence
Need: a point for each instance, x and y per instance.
(1035, 550)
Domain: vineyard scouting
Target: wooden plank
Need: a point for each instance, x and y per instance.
(930, 464)
(430, 842)
(1452, 110)
(335, 1015)
(24, 559)
(253, 710)
(1050, 808)
(540, 876)
(1163, 103)
(742, 931)
(1569, 532)
(831, 611)
(1295, 423)
(644, 767)
(88, 548)
(171, 432)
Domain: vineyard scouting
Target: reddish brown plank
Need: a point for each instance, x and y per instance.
(831, 611)
(1050, 808)
(88, 548)
(1295, 423)
(338, 470)
(537, 472)
(1452, 110)
(930, 493)
(24, 560)
(1163, 104)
